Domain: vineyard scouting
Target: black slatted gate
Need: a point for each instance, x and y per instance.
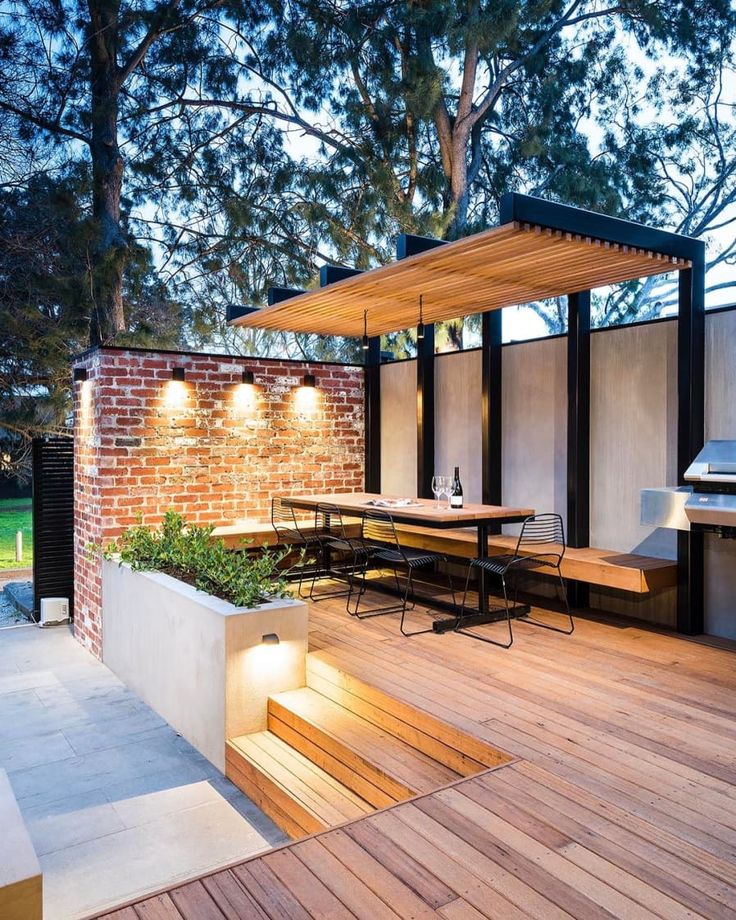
(53, 520)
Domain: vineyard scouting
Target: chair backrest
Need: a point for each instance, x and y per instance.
(378, 527)
(328, 521)
(544, 534)
(283, 519)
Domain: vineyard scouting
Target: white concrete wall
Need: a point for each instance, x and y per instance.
(399, 428)
(199, 662)
(633, 440)
(457, 419)
(535, 426)
(720, 422)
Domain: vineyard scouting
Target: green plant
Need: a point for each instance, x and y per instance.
(190, 553)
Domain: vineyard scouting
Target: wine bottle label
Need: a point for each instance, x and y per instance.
(456, 501)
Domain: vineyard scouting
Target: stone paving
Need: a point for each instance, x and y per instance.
(117, 804)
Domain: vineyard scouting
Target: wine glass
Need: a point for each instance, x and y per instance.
(437, 488)
(447, 486)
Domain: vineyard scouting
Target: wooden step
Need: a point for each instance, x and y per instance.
(295, 793)
(446, 744)
(378, 766)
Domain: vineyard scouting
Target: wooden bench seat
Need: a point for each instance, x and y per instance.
(624, 571)
(261, 533)
(606, 568)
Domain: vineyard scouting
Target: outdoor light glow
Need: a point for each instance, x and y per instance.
(245, 397)
(306, 400)
(175, 395)
(270, 665)
(85, 399)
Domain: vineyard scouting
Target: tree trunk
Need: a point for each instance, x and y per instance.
(110, 250)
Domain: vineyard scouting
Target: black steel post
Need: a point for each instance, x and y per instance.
(578, 432)
(425, 412)
(373, 415)
(492, 409)
(690, 433)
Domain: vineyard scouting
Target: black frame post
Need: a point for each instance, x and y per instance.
(690, 433)
(578, 432)
(425, 412)
(373, 415)
(492, 408)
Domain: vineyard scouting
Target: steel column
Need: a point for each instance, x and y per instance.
(373, 415)
(690, 433)
(492, 409)
(425, 412)
(578, 432)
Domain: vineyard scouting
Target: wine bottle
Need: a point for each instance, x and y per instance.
(456, 498)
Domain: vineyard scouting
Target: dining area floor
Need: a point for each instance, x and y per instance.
(619, 798)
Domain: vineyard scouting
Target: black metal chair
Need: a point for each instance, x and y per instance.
(543, 539)
(333, 539)
(380, 543)
(288, 531)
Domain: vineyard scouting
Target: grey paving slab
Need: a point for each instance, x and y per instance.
(117, 804)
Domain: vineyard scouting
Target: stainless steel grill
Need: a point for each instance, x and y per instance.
(708, 504)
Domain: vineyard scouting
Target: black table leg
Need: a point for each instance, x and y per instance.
(482, 554)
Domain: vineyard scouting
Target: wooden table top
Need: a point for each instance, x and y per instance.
(426, 512)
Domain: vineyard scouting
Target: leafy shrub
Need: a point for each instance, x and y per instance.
(189, 553)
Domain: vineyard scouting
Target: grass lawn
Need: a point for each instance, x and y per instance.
(15, 514)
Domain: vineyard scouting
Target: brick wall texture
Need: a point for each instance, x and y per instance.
(212, 448)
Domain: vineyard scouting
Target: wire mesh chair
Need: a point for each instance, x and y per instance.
(381, 544)
(542, 538)
(288, 531)
(333, 538)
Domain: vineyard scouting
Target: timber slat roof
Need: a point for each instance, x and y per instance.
(512, 264)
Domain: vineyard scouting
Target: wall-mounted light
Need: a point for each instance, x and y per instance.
(365, 330)
(270, 639)
(249, 377)
(80, 374)
(309, 380)
(420, 324)
(178, 373)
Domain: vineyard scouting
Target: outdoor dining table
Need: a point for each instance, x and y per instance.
(424, 512)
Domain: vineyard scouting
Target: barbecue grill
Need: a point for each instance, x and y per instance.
(708, 505)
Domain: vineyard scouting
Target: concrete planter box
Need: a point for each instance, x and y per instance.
(199, 662)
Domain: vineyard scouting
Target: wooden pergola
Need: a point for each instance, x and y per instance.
(512, 264)
(540, 250)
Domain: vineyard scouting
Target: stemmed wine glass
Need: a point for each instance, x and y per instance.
(437, 488)
(447, 487)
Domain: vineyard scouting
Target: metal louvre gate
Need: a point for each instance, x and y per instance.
(53, 520)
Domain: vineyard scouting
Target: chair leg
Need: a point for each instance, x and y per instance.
(474, 635)
(415, 632)
(378, 612)
(565, 601)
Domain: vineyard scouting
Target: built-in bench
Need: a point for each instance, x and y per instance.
(605, 568)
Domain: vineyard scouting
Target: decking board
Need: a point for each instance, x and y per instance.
(621, 802)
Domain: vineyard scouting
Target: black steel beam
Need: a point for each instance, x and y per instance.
(690, 433)
(425, 412)
(373, 415)
(409, 245)
(279, 294)
(329, 274)
(578, 432)
(492, 408)
(235, 311)
(531, 210)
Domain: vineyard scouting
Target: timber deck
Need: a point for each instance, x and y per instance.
(620, 802)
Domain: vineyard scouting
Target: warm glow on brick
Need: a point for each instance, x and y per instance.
(146, 443)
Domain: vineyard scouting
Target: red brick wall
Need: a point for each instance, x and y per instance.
(210, 447)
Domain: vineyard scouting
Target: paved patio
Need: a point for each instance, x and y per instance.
(117, 804)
